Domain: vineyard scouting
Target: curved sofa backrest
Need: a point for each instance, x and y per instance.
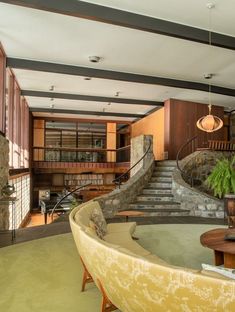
(135, 284)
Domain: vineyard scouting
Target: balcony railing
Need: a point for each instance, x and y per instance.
(63, 154)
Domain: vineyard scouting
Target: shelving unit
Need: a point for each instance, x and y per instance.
(80, 179)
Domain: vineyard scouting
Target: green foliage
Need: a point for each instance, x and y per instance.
(222, 178)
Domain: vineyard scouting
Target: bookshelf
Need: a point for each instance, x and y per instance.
(80, 179)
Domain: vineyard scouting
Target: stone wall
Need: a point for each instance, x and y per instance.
(4, 169)
(119, 199)
(139, 146)
(198, 165)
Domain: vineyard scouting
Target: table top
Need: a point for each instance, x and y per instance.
(214, 239)
(129, 213)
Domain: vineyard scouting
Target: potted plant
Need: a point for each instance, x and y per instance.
(222, 181)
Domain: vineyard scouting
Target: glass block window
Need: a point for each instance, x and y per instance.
(22, 205)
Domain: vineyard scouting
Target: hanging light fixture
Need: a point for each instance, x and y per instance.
(209, 123)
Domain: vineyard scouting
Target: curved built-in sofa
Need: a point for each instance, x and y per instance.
(135, 280)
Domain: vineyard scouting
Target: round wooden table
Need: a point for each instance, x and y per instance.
(130, 213)
(224, 250)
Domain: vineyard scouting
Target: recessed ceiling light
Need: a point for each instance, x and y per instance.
(94, 59)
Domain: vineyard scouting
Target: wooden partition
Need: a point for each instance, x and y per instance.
(152, 125)
(180, 126)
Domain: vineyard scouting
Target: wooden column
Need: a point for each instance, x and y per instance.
(10, 115)
(111, 140)
(38, 139)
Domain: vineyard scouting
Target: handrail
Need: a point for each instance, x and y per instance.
(179, 152)
(118, 179)
(73, 149)
(123, 148)
(57, 204)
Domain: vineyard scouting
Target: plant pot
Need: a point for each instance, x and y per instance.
(8, 190)
(229, 207)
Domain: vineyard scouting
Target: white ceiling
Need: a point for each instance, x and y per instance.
(33, 34)
(188, 12)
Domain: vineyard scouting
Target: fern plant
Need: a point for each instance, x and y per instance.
(222, 178)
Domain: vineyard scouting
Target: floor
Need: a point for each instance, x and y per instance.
(61, 226)
(45, 275)
(36, 218)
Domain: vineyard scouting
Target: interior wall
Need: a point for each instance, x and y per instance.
(180, 126)
(232, 126)
(152, 125)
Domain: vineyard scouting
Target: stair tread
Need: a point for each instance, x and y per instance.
(157, 188)
(156, 195)
(148, 203)
(160, 210)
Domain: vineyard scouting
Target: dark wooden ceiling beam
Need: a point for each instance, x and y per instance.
(113, 75)
(81, 112)
(122, 18)
(82, 97)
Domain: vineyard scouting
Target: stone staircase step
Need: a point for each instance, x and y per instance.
(163, 168)
(162, 174)
(156, 197)
(159, 185)
(161, 179)
(168, 163)
(154, 205)
(166, 213)
(151, 191)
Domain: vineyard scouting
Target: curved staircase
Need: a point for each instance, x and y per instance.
(156, 198)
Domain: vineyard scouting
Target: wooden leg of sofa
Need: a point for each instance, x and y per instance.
(87, 278)
(106, 304)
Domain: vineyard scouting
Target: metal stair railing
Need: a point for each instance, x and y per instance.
(119, 179)
(183, 174)
(65, 196)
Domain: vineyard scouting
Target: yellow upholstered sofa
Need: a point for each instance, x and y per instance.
(135, 280)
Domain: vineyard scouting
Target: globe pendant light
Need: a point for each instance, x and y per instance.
(209, 123)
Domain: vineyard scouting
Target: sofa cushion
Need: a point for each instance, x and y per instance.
(124, 239)
(99, 232)
(97, 217)
(121, 227)
(82, 216)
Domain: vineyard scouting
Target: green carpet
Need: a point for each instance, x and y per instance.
(45, 274)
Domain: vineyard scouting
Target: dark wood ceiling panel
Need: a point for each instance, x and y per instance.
(82, 97)
(79, 112)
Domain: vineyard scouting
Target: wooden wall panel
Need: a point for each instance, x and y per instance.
(180, 126)
(152, 125)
